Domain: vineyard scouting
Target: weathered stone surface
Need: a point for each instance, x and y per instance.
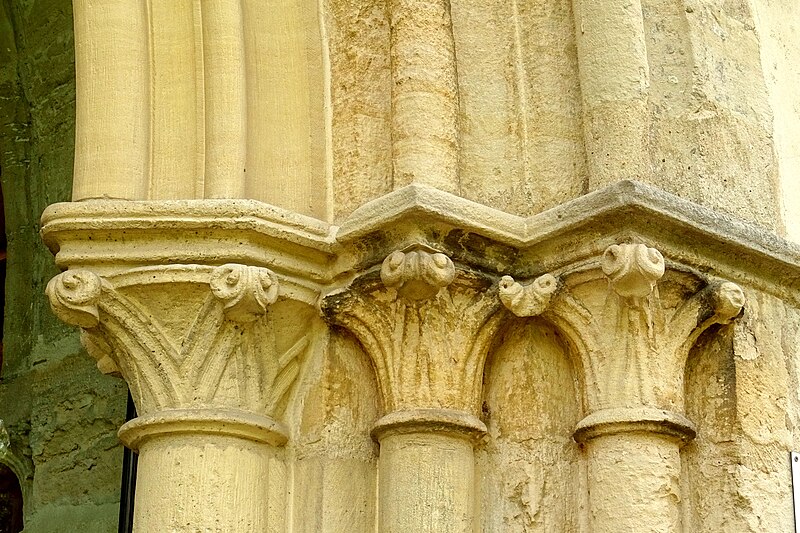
(62, 414)
(243, 168)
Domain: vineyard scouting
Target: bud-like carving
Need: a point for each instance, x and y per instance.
(729, 300)
(632, 269)
(417, 274)
(73, 297)
(530, 300)
(245, 290)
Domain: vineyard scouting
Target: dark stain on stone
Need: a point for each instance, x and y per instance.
(477, 250)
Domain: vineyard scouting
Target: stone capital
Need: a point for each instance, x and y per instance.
(192, 342)
(631, 322)
(426, 325)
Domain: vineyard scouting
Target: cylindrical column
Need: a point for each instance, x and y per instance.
(112, 126)
(225, 98)
(614, 77)
(427, 471)
(634, 469)
(286, 134)
(424, 94)
(206, 470)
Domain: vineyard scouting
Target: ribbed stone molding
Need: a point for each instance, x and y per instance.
(427, 326)
(194, 346)
(631, 328)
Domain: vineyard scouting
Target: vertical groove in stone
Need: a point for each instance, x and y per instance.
(225, 98)
(424, 94)
(112, 139)
(615, 79)
(325, 53)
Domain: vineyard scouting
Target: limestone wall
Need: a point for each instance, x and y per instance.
(62, 415)
(777, 28)
(376, 367)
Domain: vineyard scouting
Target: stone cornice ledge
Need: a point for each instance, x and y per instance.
(575, 231)
(108, 235)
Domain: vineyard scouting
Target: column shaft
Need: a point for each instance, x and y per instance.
(426, 483)
(112, 121)
(424, 94)
(200, 482)
(225, 99)
(615, 80)
(634, 483)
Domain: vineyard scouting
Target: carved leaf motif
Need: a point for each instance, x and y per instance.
(288, 368)
(632, 345)
(246, 291)
(427, 353)
(729, 301)
(530, 300)
(97, 347)
(218, 349)
(632, 269)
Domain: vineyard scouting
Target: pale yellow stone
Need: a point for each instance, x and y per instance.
(297, 227)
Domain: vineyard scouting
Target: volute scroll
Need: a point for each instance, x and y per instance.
(245, 290)
(418, 272)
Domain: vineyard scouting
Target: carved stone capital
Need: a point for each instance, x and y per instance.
(630, 322)
(187, 338)
(426, 326)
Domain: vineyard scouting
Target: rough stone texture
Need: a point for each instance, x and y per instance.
(630, 393)
(361, 102)
(778, 27)
(532, 476)
(711, 118)
(742, 393)
(336, 458)
(62, 415)
(521, 126)
(713, 90)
